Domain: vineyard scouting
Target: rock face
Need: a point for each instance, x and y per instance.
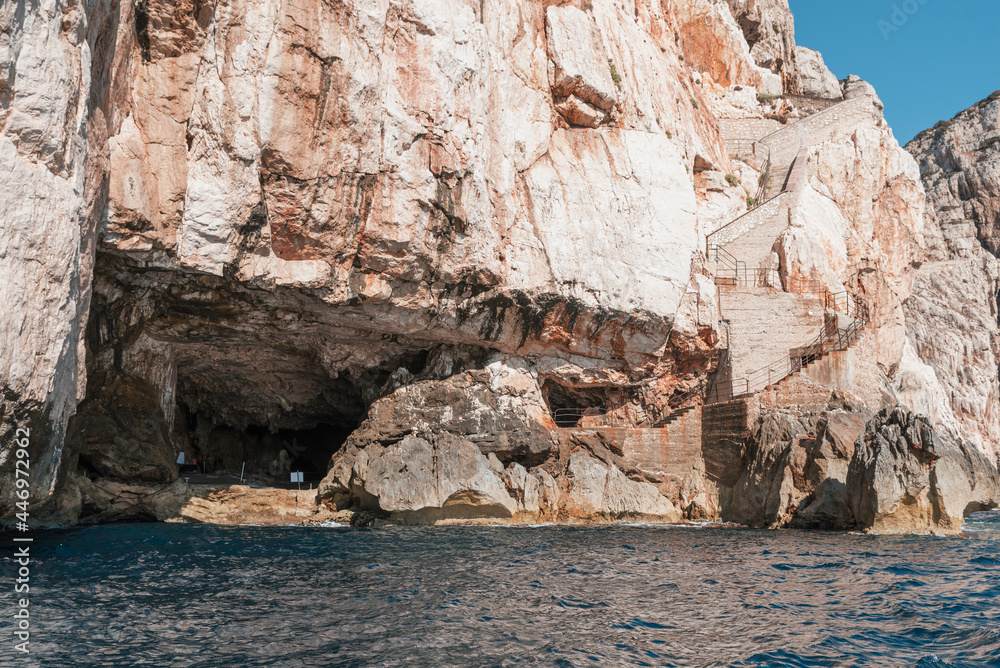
(795, 469)
(479, 445)
(580, 73)
(416, 479)
(908, 477)
(815, 78)
(120, 431)
(351, 190)
(951, 318)
(457, 246)
(769, 29)
(55, 117)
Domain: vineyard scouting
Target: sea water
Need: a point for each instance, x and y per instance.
(195, 595)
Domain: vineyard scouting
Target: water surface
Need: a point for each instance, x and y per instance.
(191, 595)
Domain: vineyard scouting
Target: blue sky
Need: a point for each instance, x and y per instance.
(928, 59)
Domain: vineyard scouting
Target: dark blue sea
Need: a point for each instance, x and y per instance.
(192, 595)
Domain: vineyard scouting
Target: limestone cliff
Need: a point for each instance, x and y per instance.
(454, 258)
(953, 327)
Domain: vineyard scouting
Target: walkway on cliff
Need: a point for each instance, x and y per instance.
(776, 327)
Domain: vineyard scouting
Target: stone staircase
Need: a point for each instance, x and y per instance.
(762, 337)
(769, 321)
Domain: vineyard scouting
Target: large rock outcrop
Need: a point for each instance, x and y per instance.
(480, 445)
(346, 190)
(55, 117)
(769, 29)
(456, 244)
(908, 477)
(815, 78)
(794, 472)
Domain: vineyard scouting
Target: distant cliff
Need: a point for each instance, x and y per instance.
(953, 321)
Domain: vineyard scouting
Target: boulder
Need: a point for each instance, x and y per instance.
(422, 481)
(907, 477)
(579, 67)
(80, 500)
(795, 468)
(499, 409)
(815, 78)
(600, 489)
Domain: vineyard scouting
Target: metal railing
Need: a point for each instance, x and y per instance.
(733, 272)
(746, 148)
(831, 338)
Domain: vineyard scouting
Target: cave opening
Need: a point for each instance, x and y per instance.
(568, 405)
(262, 455)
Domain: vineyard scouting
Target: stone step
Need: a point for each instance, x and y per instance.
(776, 184)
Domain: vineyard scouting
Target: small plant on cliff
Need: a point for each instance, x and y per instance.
(588, 6)
(989, 143)
(731, 180)
(751, 202)
(766, 99)
(670, 135)
(694, 103)
(617, 78)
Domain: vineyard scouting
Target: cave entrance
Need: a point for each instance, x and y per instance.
(568, 406)
(305, 450)
(269, 456)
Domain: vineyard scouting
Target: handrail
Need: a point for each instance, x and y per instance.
(742, 216)
(788, 127)
(831, 338)
(760, 199)
(765, 174)
(570, 417)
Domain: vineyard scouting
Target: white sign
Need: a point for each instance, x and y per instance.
(297, 476)
(180, 459)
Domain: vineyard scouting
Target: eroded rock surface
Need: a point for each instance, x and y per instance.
(815, 78)
(456, 244)
(794, 473)
(481, 445)
(55, 117)
(907, 477)
(120, 432)
(769, 29)
(952, 316)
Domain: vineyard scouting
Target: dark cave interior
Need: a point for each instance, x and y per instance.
(567, 405)
(269, 456)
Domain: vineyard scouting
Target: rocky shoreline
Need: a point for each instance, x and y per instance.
(899, 476)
